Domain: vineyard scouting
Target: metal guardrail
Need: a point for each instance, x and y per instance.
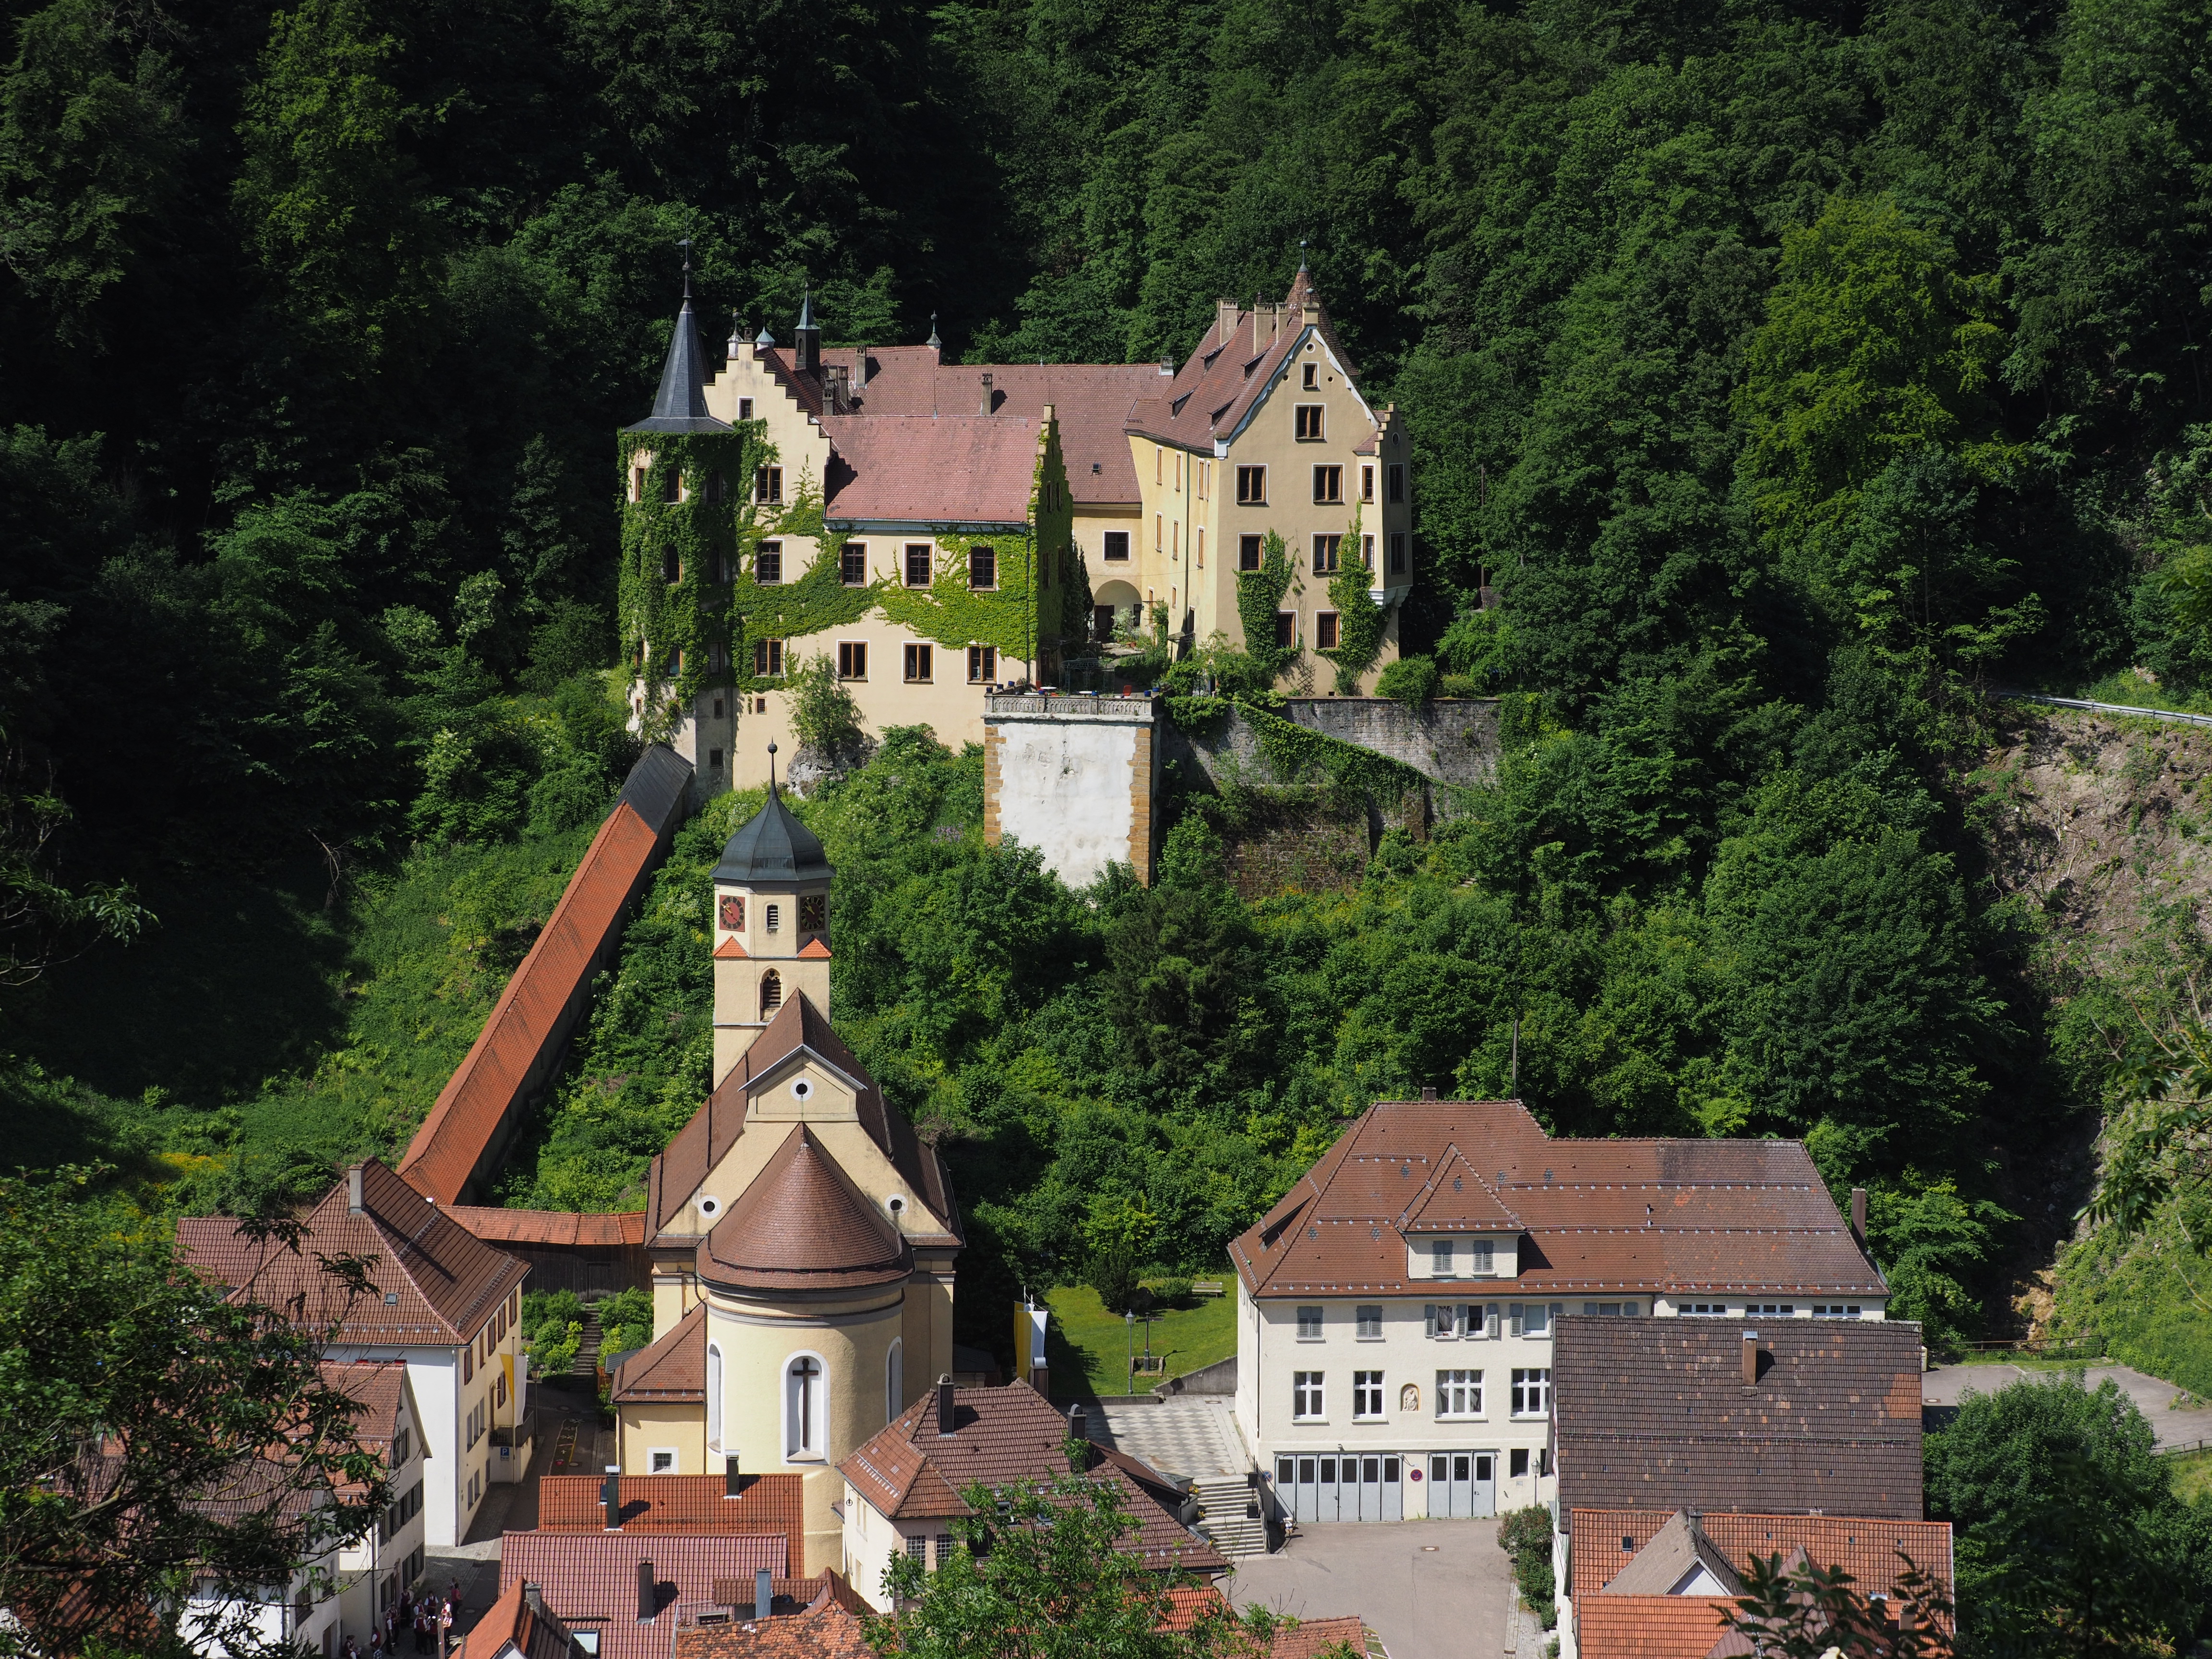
(2108, 708)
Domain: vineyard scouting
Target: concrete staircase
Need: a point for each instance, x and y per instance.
(1222, 1502)
(588, 1350)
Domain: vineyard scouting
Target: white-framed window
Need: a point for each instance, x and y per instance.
(1835, 1310)
(894, 1381)
(1703, 1309)
(1368, 1321)
(1366, 1396)
(1481, 1256)
(1613, 1310)
(714, 1398)
(1441, 1320)
(1307, 1402)
(661, 1459)
(1534, 1318)
(1532, 1391)
(1459, 1393)
(1309, 1324)
(806, 1407)
(1442, 1258)
(1771, 1309)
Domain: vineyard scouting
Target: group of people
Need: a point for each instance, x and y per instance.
(430, 1616)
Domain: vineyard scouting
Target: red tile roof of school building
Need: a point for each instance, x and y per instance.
(1684, 1217)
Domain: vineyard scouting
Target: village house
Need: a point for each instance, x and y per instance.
(519, 1625)
(1397, 1309)
(904, 1488)
(1718, 1440)
(802, 1239)
(440, 1302)
(378, 1569)
(623, 1596)
(930, 530)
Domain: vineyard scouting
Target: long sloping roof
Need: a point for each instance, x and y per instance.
(651, 1504)
(909, 1471)
(1230, 374)
(1654, 1414)
(706, 1140)
(917, 469)
(561, 1229)
(436, 1283)
(801, 1225)
(475, 1106)
(1659, 1217)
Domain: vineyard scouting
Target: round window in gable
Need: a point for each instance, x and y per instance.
(802, 1090)
(895, 1204)
(710, 1207)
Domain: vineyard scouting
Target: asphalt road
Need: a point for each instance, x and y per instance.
(2170, 1424)
(1430, 1589)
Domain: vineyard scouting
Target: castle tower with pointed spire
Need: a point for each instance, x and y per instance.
(771, 928)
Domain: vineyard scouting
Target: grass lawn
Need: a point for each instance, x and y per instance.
(2192, 1473)
(1084, 1341)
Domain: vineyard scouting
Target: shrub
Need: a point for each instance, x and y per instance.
(625, 1321)
(1409, 680)
(1459, 685)
(1526, 1535)
(1170, 1292)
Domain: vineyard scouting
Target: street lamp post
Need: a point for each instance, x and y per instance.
(1129, 1375)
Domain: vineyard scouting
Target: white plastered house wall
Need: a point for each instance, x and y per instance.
(367, 1566)
(872, 1541)
(275, 1617)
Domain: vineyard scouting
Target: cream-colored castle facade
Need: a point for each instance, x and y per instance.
(802, 1239)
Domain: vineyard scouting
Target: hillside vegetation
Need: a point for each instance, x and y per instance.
(1787, 373)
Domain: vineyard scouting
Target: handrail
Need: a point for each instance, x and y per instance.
(2108, 708)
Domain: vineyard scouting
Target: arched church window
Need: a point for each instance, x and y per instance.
(714, 1398)
(805, 1402)
(771, 993)
(894, 1381)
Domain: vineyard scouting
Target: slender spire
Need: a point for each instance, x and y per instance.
(737, 332)
(806, 306)
(681, 403)
(934, 340)
(806, 339)
(1301, 253)
(771, 770)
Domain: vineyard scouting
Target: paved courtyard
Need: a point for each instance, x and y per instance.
(2170, 1426)
(1195, 1436)
(1430, 1589)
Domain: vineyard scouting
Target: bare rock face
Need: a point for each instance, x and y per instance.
(813, 766)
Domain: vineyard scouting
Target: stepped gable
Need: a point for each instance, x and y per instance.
(910, 1471)
(1457, 1200)
(704, 1141)
(1653, 1413)
(435, 1282)
(672, 1366)
(803, 1225)
(1226, 379)
(515, 1053)
(950, 469)
(1665, 1216)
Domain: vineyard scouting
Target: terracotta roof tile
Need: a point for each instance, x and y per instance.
(495, 1226)
(1230, 374)
(951, 470)
(1650, 1627)
(533, 1632)
(438, 1283)
(730, 949)
(672, 1366)
(478, 1103)
(1652, 1413)
(1664, 1216)
(590, 1580)
(1864, 1546)
(1456, 1199)
(801, 1225)
(814, 951)
(1310, 1637)
(1001, 1436)
(826, 1630)
(696, 1503)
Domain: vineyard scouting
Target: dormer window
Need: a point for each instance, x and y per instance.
(1442, 1262)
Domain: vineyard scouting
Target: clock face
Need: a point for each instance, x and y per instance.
(733, 914)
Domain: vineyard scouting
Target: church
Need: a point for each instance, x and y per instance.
(802, 1238)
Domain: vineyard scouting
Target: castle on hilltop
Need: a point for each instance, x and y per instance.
(801, 1237)
(935, 532)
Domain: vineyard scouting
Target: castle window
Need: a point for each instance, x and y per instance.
(671, 485)
(982, 663)
(733, 914)
(1397, 481)
(771, 993)
(745, 409)
(1249, 550)
(917, 564)
(813, 913)
(671, 568)
(852, 660)
(894, 1382)
(718, 488)
(767, 563)
(713, 760)
(1313, 371)
(1251, 486)
(982, 567)
(768, 661)
(637, 484)
(1327, 550)
(1325, 630)
(1328, 485)
(1367, 552)
(773, 918)
(1397, 552)
(1117, 545)
(919, 659)
(1367, 483)
(1286, 629)
(1307, 419)
(853, 564)
(767, 483)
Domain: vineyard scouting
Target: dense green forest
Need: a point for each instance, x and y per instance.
(1788, 375)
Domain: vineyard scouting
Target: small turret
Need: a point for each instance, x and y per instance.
(681, 403)
(771, 925)
(807, 339)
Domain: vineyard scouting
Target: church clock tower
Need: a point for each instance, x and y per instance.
(771, 927)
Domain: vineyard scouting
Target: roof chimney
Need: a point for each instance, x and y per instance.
(1225, 320)
(1428, 1094)
(947, 1411)
(860, 371)
(610, 1495)
(764, 1593)
(1750, 1359)
(1167, 367)
(353, 1189)
(986, 408)
(1858, 1215)
(1077, 1427)
(732, 1483)
(647, 1602)
(532, 1597)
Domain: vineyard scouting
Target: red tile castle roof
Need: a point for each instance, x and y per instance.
(1230, 373)
(802, 1226)
(1687, 1218)
(436, 1283)
(951, 470)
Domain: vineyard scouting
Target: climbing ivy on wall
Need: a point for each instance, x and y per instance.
(1259, 597)
(1298, 753)
(1358, 619)
(672, 630)
(814, 599)
(1075, 600)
